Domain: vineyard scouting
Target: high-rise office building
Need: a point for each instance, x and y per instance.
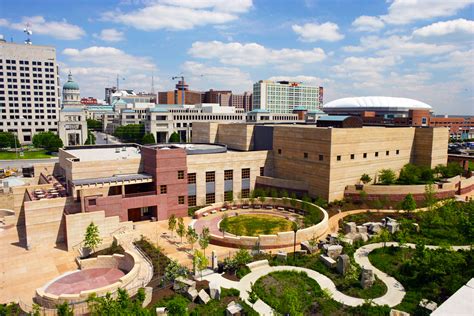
(29, 90)
(242, 101)
(284, 96)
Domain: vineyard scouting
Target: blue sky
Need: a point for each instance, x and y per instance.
(422, 49)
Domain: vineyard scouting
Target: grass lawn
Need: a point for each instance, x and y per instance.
(257, 224)
(7, 155)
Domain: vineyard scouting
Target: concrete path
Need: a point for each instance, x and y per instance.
(393, 296)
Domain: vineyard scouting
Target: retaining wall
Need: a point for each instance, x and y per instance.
(279, 240)
(127, 262)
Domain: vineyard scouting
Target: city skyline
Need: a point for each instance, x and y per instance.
(421, 50)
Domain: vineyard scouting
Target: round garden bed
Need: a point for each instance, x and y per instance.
(266, 225)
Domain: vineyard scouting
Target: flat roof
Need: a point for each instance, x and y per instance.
(102, 153)
(194, 148)
(114, 178)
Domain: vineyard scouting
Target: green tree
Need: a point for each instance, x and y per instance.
(8, 140)
(262, 199)
(92, 237)
(174, 138)
(148, 138)
(47, 140)
(181, 230)
(204, 239)
(177, 306)
(242, 257)
(384, 236)
(130, 133)
(172, 224)
(253, 298)
(64, 309)
(94, 125)
(174, 270)
(387, 176)
(224, 225)
(200, 261)
(408, 204)
(191, 236)
(430, 198)
(365, 178)
(90, 138)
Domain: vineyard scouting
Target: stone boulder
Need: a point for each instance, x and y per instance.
(181, 285)
(343, 264)
(215, 291)
(430, 306)
(334, 251)
(362, 229)
(203, 297)
(233, 309)
(191, 293)
(367, 278)
(328, 261)
(282, 255)
(350, 228)
(161, 311)
(308, 248)
(393, 227)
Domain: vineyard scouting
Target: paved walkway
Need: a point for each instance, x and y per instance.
(393, 296)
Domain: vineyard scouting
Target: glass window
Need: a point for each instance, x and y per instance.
(338, 158)
(192, 200)
(365, 155)
(191, 178)
(228, 174)
(180, 174)
(321, 157)
(398, 151)
(245, 193)
(210, 176)
(376, 154)
(246, 173)
(210, 198)
(352, 156)
(305, 155)
(181, 199)
(387, 153)
(163, 189)
(262, 171)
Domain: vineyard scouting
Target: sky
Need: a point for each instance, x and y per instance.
(420, 49)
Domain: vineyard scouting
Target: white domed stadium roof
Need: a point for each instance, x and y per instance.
(376, 102)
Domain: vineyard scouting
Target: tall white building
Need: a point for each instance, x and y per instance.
(29, 90)
(284, 96)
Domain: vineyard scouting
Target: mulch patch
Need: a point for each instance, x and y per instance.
(230, 276)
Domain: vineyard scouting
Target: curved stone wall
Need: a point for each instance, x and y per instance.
(279, 240)
(127, 262)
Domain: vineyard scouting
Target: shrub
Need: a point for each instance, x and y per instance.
(387, 176)
(47, 140)
(8, 139)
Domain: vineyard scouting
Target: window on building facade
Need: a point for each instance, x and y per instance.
(387, 153)
(210, 198)
(338, 158)
(262, 171)
(181, 199)
(228, 196)
(246, 173)
(191, 178)
(92, 202)
(163, 189)
(279, 151)
(191, 200)
(321, 157)
(365, 155)
(245, 193)
(180, 174)
(210, 176)
(376, 154)
(305, 155)
(228, 174)
(352, 156)
(398, 151)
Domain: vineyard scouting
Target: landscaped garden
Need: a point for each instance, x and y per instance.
(25, 154)
(424, 273)
(257, 224)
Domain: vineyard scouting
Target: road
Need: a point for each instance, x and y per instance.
(103, 139)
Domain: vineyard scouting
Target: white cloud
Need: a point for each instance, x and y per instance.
(399, 46)
(253, 54)
(57, 29)
(445, 28)
(205, 76)
(95, 68)
(312, 32)
(180, 15)
(362, 64)
(366, 23)
(408, 11)
(110, 35)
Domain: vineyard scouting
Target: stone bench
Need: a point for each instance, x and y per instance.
(280, 208)
(258, 264)
(213, 212)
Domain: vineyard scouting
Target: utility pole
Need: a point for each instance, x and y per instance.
(182, 88)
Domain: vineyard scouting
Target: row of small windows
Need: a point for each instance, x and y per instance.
(364, 155)
(211, 197)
